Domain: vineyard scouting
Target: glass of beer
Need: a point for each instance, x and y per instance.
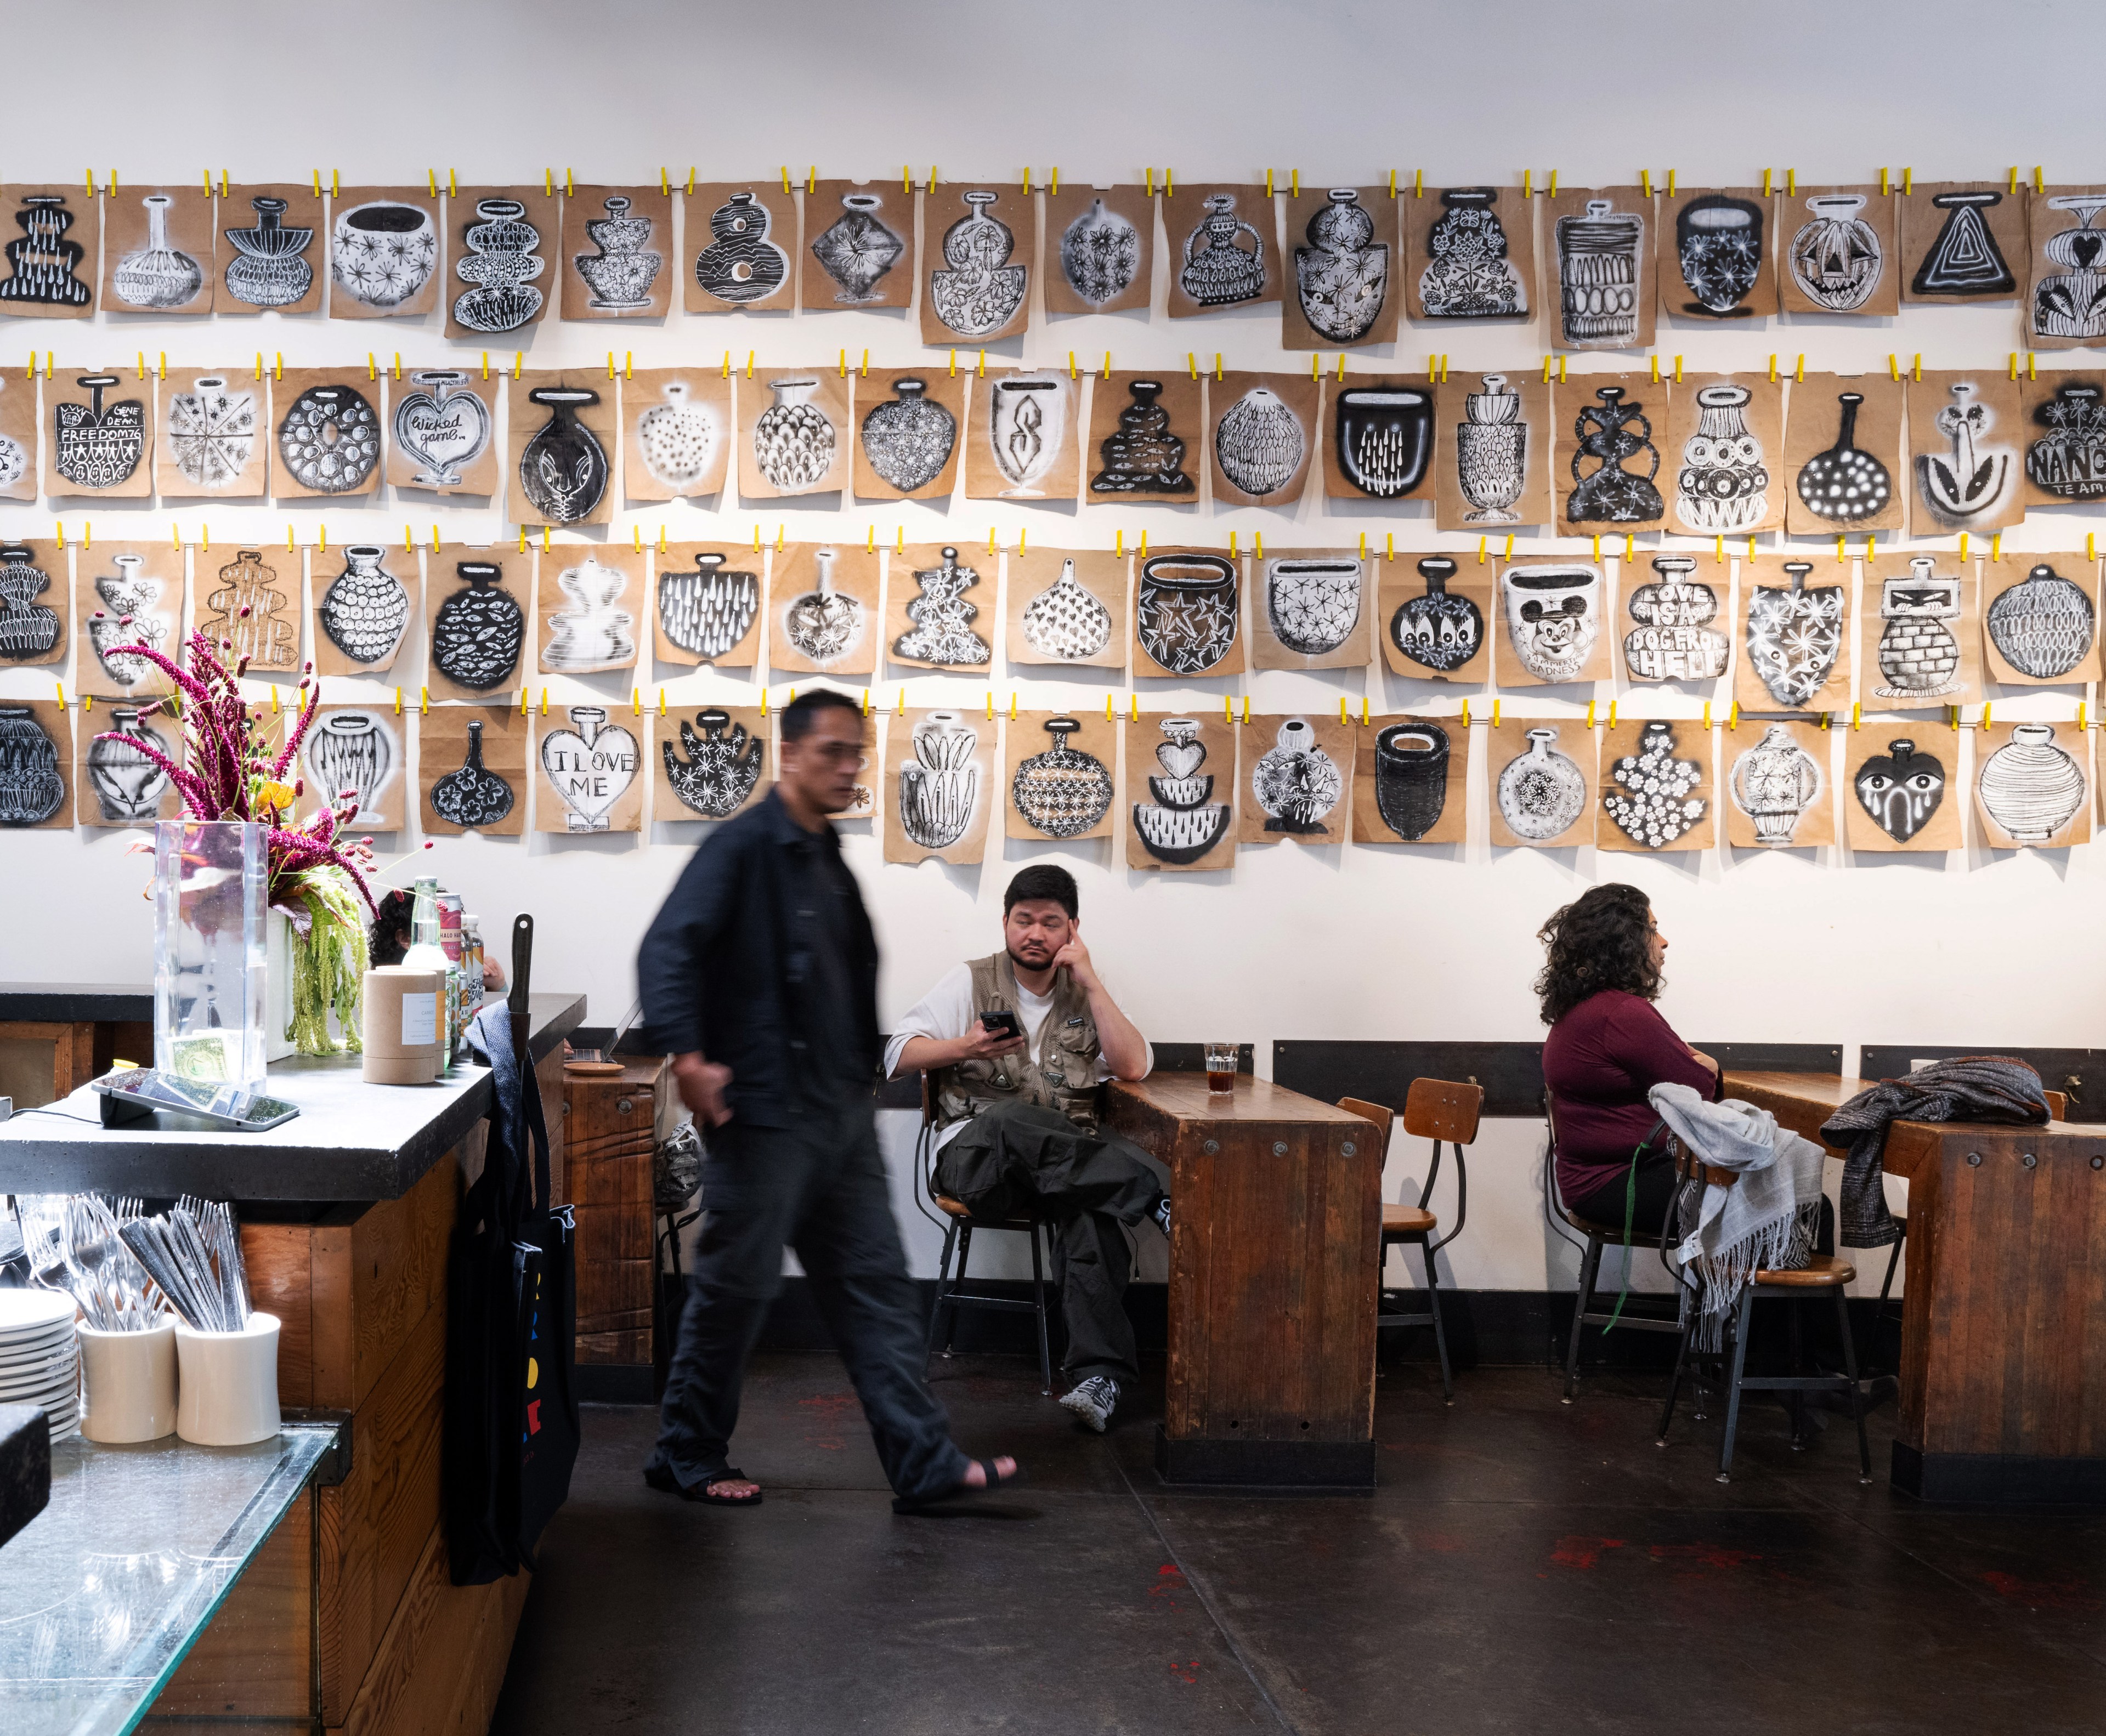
(1221, 1067)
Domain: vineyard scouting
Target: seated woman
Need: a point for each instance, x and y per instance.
(1607, 1047)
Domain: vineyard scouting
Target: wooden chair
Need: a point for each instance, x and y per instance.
(1441, 1110)
(959, 1225)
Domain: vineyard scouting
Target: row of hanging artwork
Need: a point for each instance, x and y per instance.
(1941, 450)
(1183, 790)
(1616, 254)
(469, 624)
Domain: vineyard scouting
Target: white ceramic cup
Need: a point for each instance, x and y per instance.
(127, 1384)
(228, 1395)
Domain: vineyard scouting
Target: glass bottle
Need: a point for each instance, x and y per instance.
(425, 952)
(450, 908)
(472, 936)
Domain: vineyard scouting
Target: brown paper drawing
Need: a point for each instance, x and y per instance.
(442, 428)
(35, 593)
(357, 758)
(215, 435)
(1297, 780)
(1676, 619)
(1144, 434)
(1793, 639)
(2033, 785)
(501, 248)
(2063, 424)
(270, 254)
(115, 781)
(1603, 258)
(1469, 253)
(478, 620)
(705, 604)
(1779, 794)
(1059, 768)
(1409, 780)
(99, 434)
(384, 253)
(124, 593)
(1965, 438)
(1843, 454)
(1492, 453)
(1904, 790)
(1312, 609)
(2040, 618)
(1188, 614)
(1178, 776)
(37, 738)
(908, 421)
(710, 761)
(1023, 434)
(858, 247)
(561, 446)
(1434, 616)
(591, 769)
(20, 438)
(590, 601)
(982, 246)
(941, 785)
(1606, 462)
(823, 609)
(741, 247)
(1556, 614)
(1963, 241)
(264, 582)
(1542, 773)
(1224, 248)
(1715, 257)
(1379, 436)
(366, 596)
(1656, 792)
(1918, 634)
(325, 432)
(1067, 606)
(1099, 242)
(1837, 252)
(2066, 295)
(472, 770)
(678, 433)
(158, 251)
(1725, 441)
(796, 431)
(51, 247)
(1261, 430)
(940, 607)
(617, 253)
(1344, 248)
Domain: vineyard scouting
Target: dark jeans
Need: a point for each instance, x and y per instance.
(1018, 1157)
(820, 1188)
(1655, 1188)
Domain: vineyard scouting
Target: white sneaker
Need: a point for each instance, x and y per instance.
(1093, 1401)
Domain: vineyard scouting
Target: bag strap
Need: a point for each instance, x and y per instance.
(1630, 1216)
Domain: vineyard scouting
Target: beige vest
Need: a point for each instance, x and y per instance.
(1059, 1071)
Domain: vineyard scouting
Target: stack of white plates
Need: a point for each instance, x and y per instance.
(40, 1356)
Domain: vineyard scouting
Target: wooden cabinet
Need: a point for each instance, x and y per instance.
(612, 1124)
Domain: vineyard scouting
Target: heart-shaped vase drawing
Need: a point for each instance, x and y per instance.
(590, 766)
(442, 429)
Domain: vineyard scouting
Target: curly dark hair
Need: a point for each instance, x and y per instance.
(1602, 940)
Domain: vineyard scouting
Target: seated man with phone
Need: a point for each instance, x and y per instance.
(1016, 1044)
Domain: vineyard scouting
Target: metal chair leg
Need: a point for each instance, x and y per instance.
(936, 1301)
(1798, 1405)
(1439, 1331)
(1856, 1391)
(1742, 1316)
(1675, 1380)
(1038, 1293)
(958, 1283)
(1589, 1263)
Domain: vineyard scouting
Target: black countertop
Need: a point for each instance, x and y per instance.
(351, 1141)
(77, 1003)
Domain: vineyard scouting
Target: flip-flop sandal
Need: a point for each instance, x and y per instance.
(962, 1492)
(665, 1480)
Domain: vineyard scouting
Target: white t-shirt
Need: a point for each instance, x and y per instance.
(947, 1011)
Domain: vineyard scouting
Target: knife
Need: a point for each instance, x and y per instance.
(522, 969)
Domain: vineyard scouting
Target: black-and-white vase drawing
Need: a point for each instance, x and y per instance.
(1795, 634)
(42, 262)
(27, 629)
(1613, 433)
(1100, 254)
(708, 612)
(472, 795)
(1675, 639)
(128, 782)
(939, 787)
(1541, 793)
(366, 607)
(329, 440)
(1723, 484)
(2043, 626)
(714, 771)
(943, 631)
(1655, 802)
(1719, 242)
(563, 469)
(98, 444)
(269, 268)
(1065, 622)
(595, 631)
(1185, 611)
(1777, 783)
(1918, 657)
(479, 630)
(1062, 791)
(32, 788)
(679, 439)
(909, 437)
(1385, 438)
(1259, 442)
(352, 754)
(501, 264)
(1143, 454)
(212, 433)
(1963, 258)
(1182, 823)
(1437, 629)
(981, 292)
(1313, 604)
(1835, 258)
(1411, 777)
(1599, 256)
(1553, 617)
(1491, 453)
(2068, 459)
(384, 252)
(2071, 302)
(1342, 276)
(624, 264)
(1845, 485)
(130, 615)
(824, 625)
(441, 426)
(1220, 268)
(1026, 421)
(14, 456)
(1973, 477)
(157, 276)
(741, 264)
(1900, 789)
(858, 248)
(1468, 274)
(1296, 782)
(2030, 787)
(793, 441)
(590, 766)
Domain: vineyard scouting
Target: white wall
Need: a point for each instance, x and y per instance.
(1295, 943)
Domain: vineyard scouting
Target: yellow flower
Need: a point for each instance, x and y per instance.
(279, 796)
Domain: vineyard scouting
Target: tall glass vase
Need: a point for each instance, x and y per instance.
(211, 885)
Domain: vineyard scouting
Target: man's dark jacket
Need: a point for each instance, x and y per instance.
(721, 970)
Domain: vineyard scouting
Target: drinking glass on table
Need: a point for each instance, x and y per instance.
(1220, 1066)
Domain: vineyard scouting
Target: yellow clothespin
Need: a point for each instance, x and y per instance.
(991, 529)
(1791, 183)
(636, 702)
(408, 547)
(1707, 713)
(1590, 713)
(1677, 371)
(277, 367)
(1021, 537)
(545, 543)
(1228, 710)
(518, 362)
(1342, 365)
(1258, 539)
(636, 536)
(273, 696)
(2091, 545)
(1315, 366)
(1915, 368)
(1496, 714)
(1630, 546)
(1883, 188)
(610, 365)
(1365, 716)
(1612, 713)
(1751, 548)
(1773, 368)
(1733, 717)
(398, 700)
(1553, 183)
(544, 702)
(1996, 546)
(1719, 552)
(727, 364)
(661, 702)
(749, 364)
(424, 701)
(899, 534)
(865, 361)
(524, 701)
(902, 692)
(1108, 364)
(1841, 555)
(2033, 371)
(372, 367)
(1799, 373)
(1012, 705)
(1872, 546)
(1766, 183)
(990, 704)
(1481, 542)
(1144, 545)
(1963, 546)
(1528, 183)
(1191, 364)
(1597, 546)
(1985, 712)
(1107, 708)
(1389, 545)
(1465, 713)
(2080, 724)
(843, 364)
(1071, 374)
(2014, 364)
(981, 372)
(522, 539)
(1644, 182)
(1857, 714)
(1344, 716)
(60, 529)
(1118, 542)
(1364, 545)
(1247, 708)
(2040, 179)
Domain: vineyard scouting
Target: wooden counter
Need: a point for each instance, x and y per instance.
(1275, 1218)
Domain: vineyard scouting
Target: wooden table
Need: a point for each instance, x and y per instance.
(1276, 1219)
(2003, 1375)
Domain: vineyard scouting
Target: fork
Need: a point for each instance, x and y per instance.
(86, 1252)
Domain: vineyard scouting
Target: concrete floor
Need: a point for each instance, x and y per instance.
(1524, 1567)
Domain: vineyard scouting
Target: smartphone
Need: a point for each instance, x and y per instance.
(1005, 1024)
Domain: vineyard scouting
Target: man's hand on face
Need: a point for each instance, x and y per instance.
(1076, 957)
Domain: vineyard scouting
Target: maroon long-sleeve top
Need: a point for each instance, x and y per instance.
(1599, 1062)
